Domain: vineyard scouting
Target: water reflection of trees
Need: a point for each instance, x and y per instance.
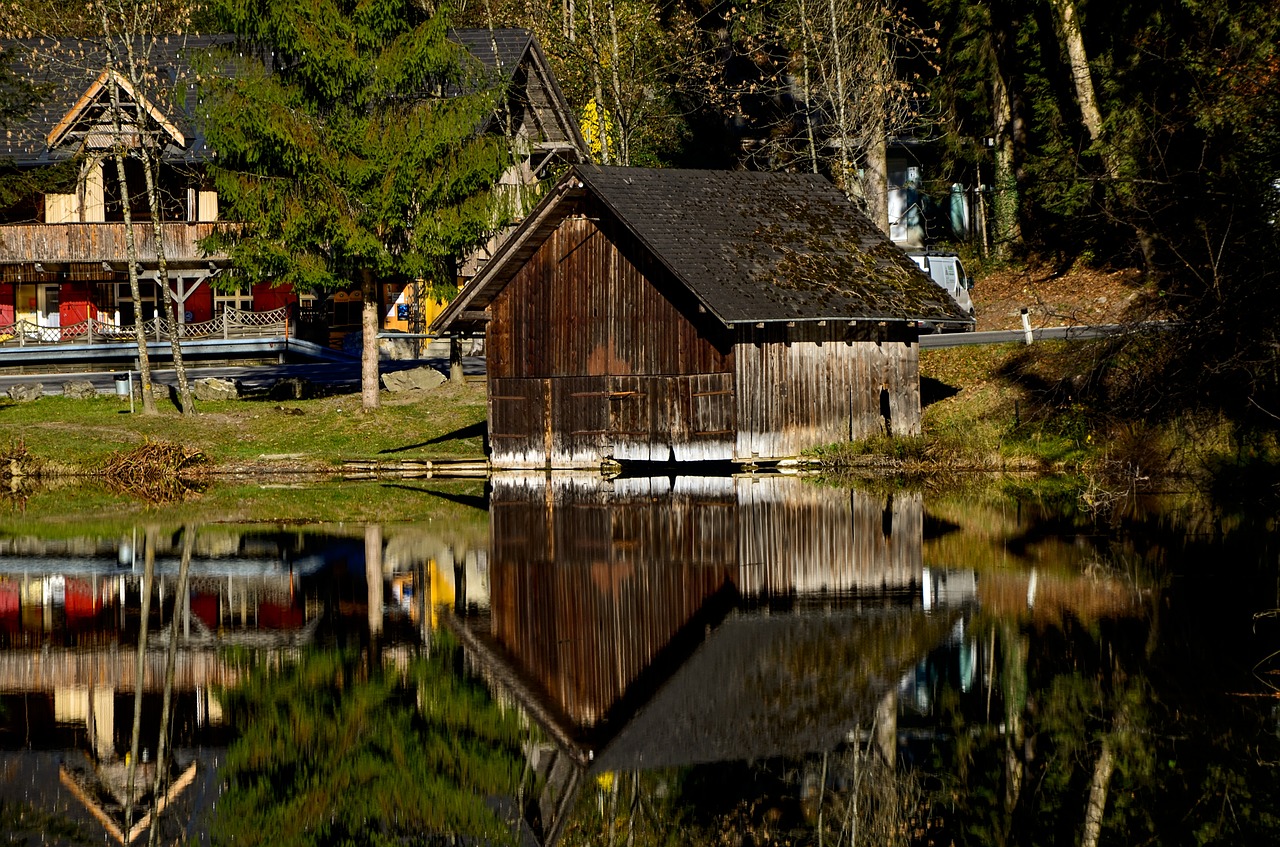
(338, 749)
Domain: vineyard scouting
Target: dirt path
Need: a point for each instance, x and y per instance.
(1078, 296)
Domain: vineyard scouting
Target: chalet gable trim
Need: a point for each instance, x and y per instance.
(504, 51)
(561, 112)
(99, 89)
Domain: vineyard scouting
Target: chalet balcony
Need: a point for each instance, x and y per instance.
(93, 243)
(231, 335)
(230, 323)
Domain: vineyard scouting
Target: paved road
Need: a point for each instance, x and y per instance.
(339, 376)
(345, 376)
(959, 339)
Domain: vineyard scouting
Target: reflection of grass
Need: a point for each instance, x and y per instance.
(91, 509)
(315, 433)
(24, 823)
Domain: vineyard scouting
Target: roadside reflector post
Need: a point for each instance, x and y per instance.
(1026, 326)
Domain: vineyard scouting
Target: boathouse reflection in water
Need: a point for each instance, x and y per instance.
(659, 622)
(643, 623)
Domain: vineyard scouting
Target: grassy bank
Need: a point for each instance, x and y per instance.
(1037, 409)
(79, 436)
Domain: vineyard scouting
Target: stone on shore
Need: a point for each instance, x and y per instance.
(24, 392)
(414, 379)
(215, 388)
(79, 389)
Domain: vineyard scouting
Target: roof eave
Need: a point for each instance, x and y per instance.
(493, 277)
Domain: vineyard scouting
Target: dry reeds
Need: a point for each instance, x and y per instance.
(17, 462)
(158, 471)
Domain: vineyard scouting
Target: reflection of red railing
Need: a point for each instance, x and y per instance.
(232, 323)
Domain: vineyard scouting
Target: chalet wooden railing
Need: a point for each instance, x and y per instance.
(101, 242)
(232, 323)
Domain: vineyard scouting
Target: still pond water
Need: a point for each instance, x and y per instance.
(648, 661)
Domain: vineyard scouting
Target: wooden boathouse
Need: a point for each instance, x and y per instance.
(666, 315)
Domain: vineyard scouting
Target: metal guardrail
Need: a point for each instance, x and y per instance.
(232, 323)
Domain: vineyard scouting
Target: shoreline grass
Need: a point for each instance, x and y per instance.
(79, 437)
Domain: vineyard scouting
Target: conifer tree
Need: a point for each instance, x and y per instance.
(349, 147)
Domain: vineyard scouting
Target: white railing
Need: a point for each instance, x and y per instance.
(232, 323)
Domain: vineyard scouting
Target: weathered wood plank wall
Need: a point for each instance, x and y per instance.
(589, 359)
(792, 397)
(799, 538)
(591, 581)
(101, 242)
(49, 669)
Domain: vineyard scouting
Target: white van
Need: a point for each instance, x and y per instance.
(945, 269)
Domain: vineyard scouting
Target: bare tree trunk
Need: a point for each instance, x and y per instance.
(1004, 201)
(1100, 784)
(602, 134)
(877, 180)
(620, 114)
(844, 171)
(150, 169)
(369, 347)
(1073, 40)
(131, 766)
(373, 576)
(805, 40)
(1015, 702)
(1098, 788)
(166, 707)
(185, 400)
(131, 252)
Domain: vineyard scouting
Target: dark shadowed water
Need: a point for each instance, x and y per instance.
(649, 661)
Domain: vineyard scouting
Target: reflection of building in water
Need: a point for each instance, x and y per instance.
(71, 622)
(654, 622)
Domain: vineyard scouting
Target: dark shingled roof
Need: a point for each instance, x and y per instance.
(497, 49)
(775, 685)
(752, 247)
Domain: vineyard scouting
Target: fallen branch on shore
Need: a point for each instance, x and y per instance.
(159, 471)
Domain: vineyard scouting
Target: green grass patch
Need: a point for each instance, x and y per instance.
(81, 434)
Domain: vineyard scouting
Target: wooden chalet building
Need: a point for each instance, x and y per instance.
(663, 315)
(62, 255)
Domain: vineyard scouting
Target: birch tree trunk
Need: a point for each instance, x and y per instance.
(186, 401)
(369, 346)
(131, 254)
(1078, 59)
